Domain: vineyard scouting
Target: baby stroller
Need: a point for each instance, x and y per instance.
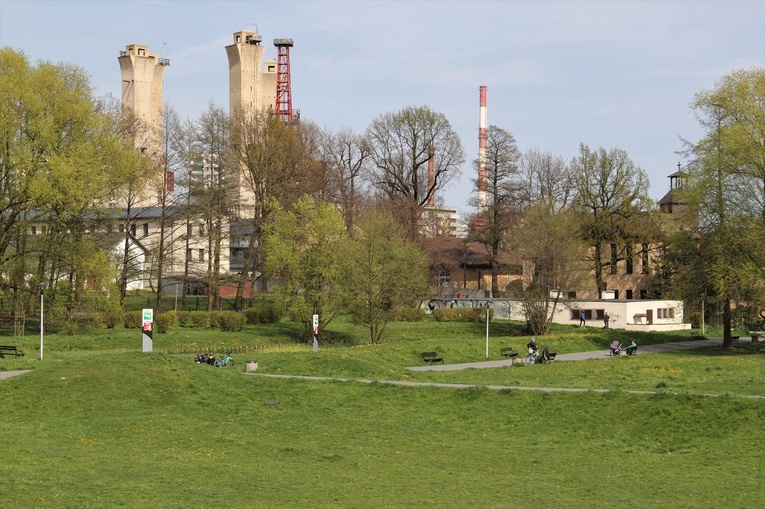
(616, 348)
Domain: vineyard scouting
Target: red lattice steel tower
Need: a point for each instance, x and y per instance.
(283, 80)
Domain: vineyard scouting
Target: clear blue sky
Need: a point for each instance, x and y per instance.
(559, 73)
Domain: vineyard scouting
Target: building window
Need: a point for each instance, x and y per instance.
(201, 230)
(34, 230)
(201, 255)
(444, 278)
(188, 231)
(613, 258)
(189, 254)
(665, 313)
(643, 294)
(132, 229)
(644, 259)
(145, 229)
(122, 228)
(629, 258)
(628, 294)
(572, 295)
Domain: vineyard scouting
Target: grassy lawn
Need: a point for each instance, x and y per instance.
(100, 424)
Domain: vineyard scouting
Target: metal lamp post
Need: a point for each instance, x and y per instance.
(41, 286)
(703, 305)
(488, 304)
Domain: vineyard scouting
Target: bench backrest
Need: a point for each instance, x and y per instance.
(429, 354)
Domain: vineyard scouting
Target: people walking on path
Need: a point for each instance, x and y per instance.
(606, 318)
(582, 321)
(533, 349)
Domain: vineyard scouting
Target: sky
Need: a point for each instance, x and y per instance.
(612, 74)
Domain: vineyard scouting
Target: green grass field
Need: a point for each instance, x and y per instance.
(100, 424)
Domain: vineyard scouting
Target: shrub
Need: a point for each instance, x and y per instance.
(112, 318)
(200, 319)
(263, 314)
(70, 327)
(230, 321)
(98, 320)
(163, 322)
(172, 316)
(132, 319)
(695, 319)
(459, 315)
(193, 318)
(408, 314)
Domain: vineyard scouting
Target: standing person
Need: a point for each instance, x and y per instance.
(582, 321)
(533, 349)
(606, 318)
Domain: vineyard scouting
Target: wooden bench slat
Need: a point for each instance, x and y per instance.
(431, 357)
(10, 350)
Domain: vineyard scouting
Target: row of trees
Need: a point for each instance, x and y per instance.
(68, 155)
(583, 218)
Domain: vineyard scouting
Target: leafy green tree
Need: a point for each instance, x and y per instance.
(382, 271)
(722, 252)
(60, 159)
(611, 193)
(303, 256)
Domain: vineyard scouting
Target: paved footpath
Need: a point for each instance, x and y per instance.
(8, 374)
(578, 356)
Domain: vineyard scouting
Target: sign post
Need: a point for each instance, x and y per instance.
(146, 328)
(315, 333)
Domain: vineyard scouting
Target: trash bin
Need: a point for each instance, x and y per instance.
(251, 366)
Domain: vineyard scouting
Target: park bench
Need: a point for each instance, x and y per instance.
(696, 335)
(734, 339)
(508, 352)
(756, 335)
(10, 350)
(431, 357)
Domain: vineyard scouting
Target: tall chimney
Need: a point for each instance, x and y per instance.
(483, 196)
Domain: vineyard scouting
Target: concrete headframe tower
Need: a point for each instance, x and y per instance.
(142, 76)
(251, 88)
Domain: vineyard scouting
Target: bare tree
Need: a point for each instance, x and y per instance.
(495, 217)
(215, 192)
(272, 158)
(401, 144)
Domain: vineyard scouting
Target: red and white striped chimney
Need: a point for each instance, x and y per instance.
(483, 195)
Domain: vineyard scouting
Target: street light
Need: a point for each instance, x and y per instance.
(703, 305)
(488, 304)
(41, 286)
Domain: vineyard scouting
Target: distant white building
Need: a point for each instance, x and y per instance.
(638, 315)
